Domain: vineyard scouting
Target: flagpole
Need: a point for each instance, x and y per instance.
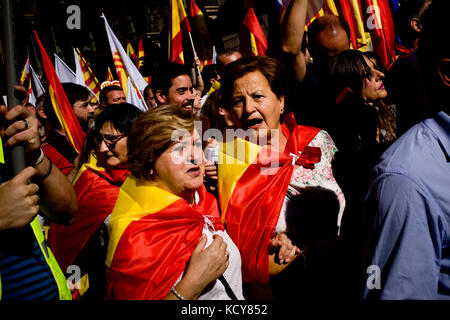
(195, 53)
(8, 35)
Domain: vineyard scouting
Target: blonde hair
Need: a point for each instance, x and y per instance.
(152, 134)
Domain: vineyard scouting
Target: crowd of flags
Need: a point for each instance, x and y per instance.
(370, 22)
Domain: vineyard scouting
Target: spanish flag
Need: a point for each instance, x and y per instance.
(381, 28)
(252, 183)
(200, 35)
(152, 236)
(178, 25)
(141, 53)
(26, 76)
(257, 38)
(96, 191)
(60, 103)
(130, 51)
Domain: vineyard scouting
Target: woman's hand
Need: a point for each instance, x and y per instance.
(205, 266)
(286, 250)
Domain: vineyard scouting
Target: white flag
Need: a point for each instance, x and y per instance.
(125, 68)
(37, 83)
(64, 73)
(133, 98)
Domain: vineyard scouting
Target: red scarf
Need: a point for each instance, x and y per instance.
(96, 192)
(255, 204)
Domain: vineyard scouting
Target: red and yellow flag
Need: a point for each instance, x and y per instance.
(60, 103)
(252, 184)
(257, 38)
(109, 76)
(381, 28)
(152, 235)
(89, 78)
(141, 53)
(178, 25)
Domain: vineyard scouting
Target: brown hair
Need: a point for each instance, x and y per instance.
(269, 67)
(152, 134)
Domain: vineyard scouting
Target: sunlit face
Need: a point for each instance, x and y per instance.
(115, 97)
(373, 88)
(112, 146)
(84, 111)
(181, 93)
(255, 106)
(180, 169)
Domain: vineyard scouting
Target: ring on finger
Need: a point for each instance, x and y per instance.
(25, 124)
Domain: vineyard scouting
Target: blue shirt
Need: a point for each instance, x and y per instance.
(409, 198)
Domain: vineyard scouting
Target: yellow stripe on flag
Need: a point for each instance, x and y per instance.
(234, 158)
(2, 157)
(135, 201)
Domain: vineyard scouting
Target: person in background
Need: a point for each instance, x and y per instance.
(38, 187)
(149, 97)
(96, 185)
(408, 203)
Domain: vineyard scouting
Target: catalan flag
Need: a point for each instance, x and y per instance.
(60, 103)
(352, 13)
(109, 77)
(125, 68)
(152, 234)
(258, 40)
(178, 25)
(89, 79)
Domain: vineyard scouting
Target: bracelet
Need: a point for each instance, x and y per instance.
(179, 296)
(48, 172)
(40, 159)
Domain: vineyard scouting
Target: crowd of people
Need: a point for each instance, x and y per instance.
(320, 174)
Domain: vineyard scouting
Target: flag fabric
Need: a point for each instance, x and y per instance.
(37, 83)
(133, 96)
(257, 38)
(141, 53)
(26, 76)
(109, 76)
(152, 234)
(178, 25)
(96, 192)
(352, 13)
(130, 51)
(252, 187)
(60, 103)
(381, 28)
(200, 35)
(125, 68)
(85, 74)
(313, 11)
(64, 73)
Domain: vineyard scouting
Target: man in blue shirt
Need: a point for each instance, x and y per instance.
(408, 202)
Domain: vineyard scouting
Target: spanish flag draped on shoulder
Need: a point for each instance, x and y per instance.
(152, 234)
(60, 103)
(125, 68)
(252, 184)
(178, 25)
(258, 40)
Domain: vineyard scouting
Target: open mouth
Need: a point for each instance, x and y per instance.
(194, 171)
(253, 123)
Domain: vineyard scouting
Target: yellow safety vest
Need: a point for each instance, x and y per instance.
(64, 292)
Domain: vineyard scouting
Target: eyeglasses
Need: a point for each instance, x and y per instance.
(110, 140)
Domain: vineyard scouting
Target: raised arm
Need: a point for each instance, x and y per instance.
(292, 37)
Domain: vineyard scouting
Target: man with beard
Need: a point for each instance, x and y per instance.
(173, 85)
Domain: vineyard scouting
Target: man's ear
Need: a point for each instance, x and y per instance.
(160, 97)
(416, 25)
